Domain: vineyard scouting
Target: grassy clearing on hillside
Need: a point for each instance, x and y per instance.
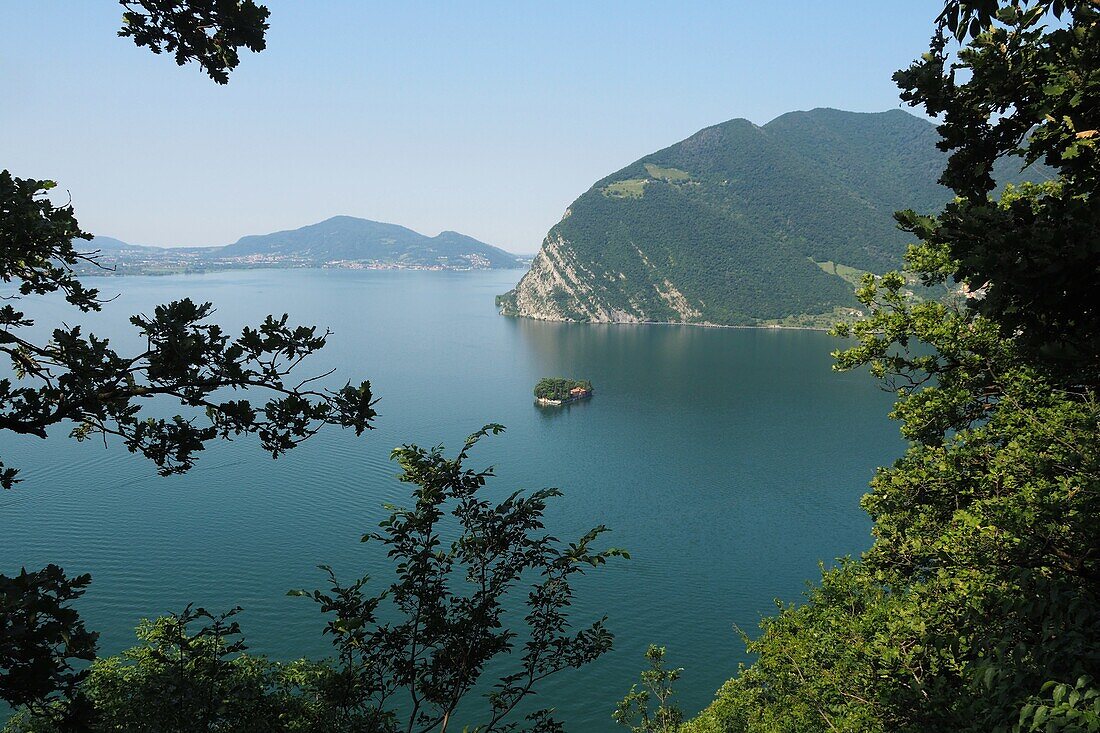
(850, 274)
(632, 188)
(822, 321)
(667, 174)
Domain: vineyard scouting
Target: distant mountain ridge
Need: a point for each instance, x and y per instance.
(340, 241)
(110, 244)
(350, 238)
(741, 224)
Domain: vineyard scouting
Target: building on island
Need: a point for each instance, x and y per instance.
(560, 391)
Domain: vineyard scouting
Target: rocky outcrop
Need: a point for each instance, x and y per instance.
(559, 288)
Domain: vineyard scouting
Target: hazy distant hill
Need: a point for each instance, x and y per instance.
(348, 238)
(740, 224)
(108, 245)
(342, 241)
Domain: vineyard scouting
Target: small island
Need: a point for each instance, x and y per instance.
(560, 391)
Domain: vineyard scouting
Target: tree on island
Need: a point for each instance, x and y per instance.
(559, 388)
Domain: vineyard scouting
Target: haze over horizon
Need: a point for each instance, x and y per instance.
(487, 120)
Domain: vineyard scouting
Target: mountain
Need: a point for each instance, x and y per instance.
(346, 238)
(740, 224)
(110, 245)
(342, 241)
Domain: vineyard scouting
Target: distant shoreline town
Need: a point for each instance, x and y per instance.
(341, 242)
(124, 263)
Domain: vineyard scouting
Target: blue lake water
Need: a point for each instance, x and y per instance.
(728, 462)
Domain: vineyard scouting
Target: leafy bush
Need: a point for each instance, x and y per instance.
(978, 606)
(179, 679)
(463, 564)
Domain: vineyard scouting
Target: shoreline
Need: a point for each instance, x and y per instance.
(766, 327)
(186, 273)
(544, 402)
(109, 272)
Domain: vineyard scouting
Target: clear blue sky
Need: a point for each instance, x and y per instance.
(488, 118)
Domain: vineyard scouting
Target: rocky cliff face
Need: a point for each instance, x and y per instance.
(559, 288)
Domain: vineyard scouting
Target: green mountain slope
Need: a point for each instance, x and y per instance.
(739, 224)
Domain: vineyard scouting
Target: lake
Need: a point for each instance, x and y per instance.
(729, 462)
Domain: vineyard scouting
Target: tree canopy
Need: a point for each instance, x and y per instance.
(978, 606)
(77, 379)
(208, 32)
(1023, 85)
(80, 379)
(452, 602)
(480, 587)
(559, 388)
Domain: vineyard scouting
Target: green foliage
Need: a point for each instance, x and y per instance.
(40, 635)
(1063, 707)
(77, 378)
(407, 656)
(633, 711)
(813, 665)
(559, 388)
(978, 606)
(734, 217)
(1032, 93)
(981, 584)
(177, 680)
(446, 615)
(80, 379)
(208, 32)
(38, 251)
